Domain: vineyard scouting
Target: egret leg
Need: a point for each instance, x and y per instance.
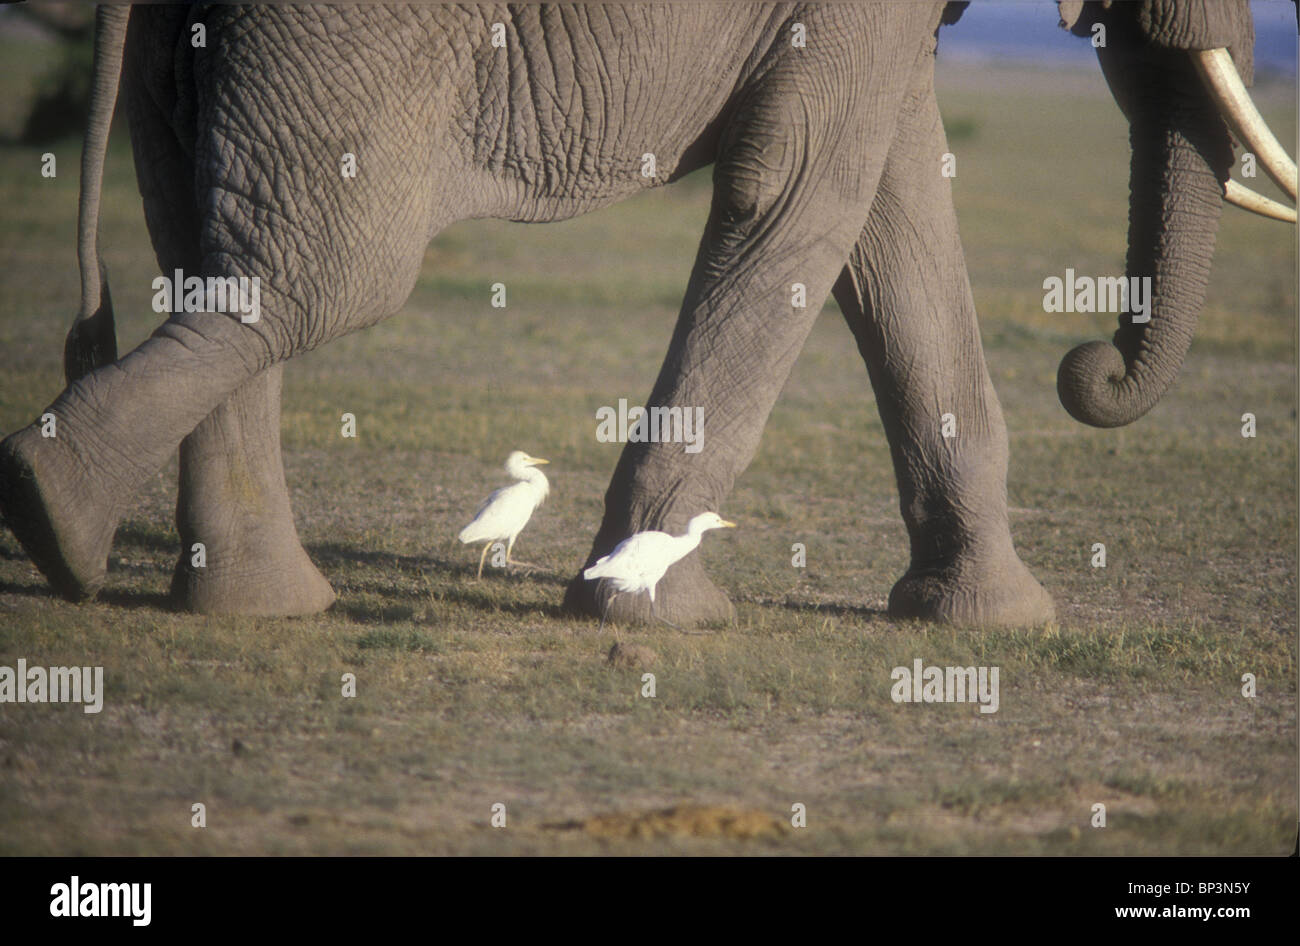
(654, 614)
(481, 559)
(605, 611)
(514, 561)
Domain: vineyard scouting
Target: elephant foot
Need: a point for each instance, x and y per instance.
(684, 597)
(233, 500)
(265, 578)
(975, 590)
(61, 521)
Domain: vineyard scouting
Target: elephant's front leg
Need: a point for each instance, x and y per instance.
(906, 296)
(735, 343)
(793, 182)
(233, 502)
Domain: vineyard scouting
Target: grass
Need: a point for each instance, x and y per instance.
(469, 694)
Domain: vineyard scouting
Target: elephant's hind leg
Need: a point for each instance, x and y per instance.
(232, 498)
(906, 297)
(66, 479)
(234, 503)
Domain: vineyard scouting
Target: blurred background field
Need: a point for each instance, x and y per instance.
(472, 693)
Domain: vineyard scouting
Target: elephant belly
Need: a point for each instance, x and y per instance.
(587, 105)
(530, 112)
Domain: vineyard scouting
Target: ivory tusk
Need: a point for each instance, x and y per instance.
(1247, 199)
(1220, 77)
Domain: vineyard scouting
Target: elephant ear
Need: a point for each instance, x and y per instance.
(1177, 24)
(952, 12)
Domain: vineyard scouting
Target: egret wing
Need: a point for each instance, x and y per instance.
(502, 514)
(636, 562)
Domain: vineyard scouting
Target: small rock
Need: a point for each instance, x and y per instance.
(630, 655)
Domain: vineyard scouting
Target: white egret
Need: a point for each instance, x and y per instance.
(639, 561)
(504, 514)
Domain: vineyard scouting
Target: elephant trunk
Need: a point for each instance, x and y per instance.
(1181, 157)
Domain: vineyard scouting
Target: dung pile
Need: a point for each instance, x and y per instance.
(682, 821)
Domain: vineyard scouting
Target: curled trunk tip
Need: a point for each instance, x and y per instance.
(1095, 387)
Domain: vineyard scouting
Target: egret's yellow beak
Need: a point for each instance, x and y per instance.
(728, 525)
(537, 461)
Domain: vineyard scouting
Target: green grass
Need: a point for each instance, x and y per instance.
(474, 693)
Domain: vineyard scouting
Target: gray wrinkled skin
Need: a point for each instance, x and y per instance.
(826, 173)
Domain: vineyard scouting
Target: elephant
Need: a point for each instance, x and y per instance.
(823, 130)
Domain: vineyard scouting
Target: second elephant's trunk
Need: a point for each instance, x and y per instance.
(1181, 156)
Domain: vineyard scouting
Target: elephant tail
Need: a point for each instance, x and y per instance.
(92, 340)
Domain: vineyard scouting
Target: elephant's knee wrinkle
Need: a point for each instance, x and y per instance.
(744, 201)
(754, 170)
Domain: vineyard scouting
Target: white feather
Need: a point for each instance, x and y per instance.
(503, 515)
(639, 561)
